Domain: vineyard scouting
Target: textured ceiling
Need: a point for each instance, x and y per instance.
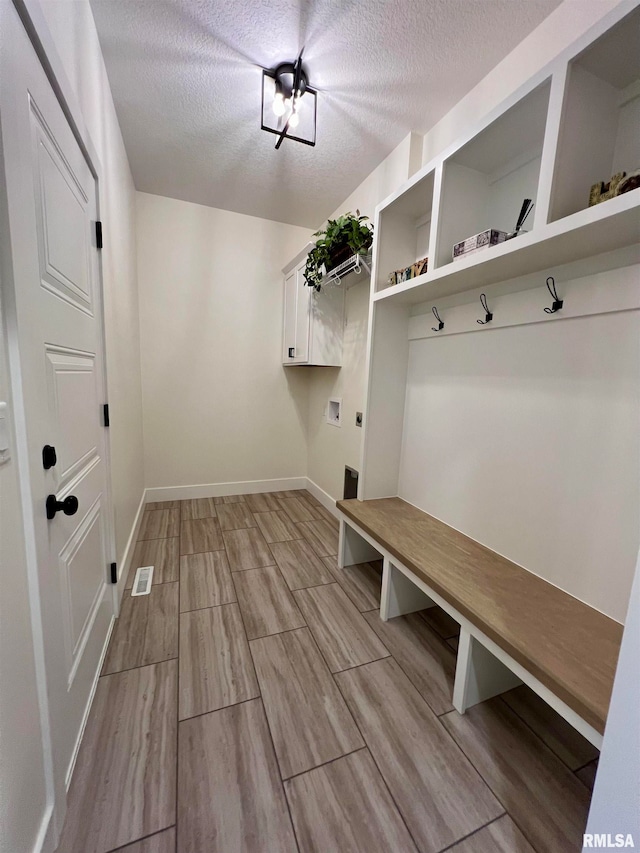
(186, 80)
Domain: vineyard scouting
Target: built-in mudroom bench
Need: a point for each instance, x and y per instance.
(514, 626)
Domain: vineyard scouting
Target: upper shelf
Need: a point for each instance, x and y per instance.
(611, 225)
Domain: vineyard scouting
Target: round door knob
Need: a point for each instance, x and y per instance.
(69, 506)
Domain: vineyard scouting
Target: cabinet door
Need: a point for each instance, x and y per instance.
(327, 327)
(303, 305)
(290, 308)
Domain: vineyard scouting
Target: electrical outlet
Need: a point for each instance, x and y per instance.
(359, 419)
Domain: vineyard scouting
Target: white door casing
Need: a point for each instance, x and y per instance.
(54, 311)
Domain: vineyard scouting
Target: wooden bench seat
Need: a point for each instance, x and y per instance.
(568, 646)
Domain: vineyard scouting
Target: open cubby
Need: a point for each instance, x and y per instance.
(600, 125)
(486, 180)
(404, 230)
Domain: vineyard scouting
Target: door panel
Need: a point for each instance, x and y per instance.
(71, 378)
(81, 580)
(61, 209)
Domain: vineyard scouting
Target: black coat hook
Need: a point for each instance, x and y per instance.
(488, 316)
(439, 321)
(557, 303)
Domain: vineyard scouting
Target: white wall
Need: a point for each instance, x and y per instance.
(210, 294)
(218, 405)
(525, 438)
(73, 30)
(330, 448)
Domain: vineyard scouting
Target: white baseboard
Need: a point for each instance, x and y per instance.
(46, 841)
(127, 557)
(324, 497)
(216, 490)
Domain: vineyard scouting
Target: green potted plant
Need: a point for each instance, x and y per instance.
(343, 237)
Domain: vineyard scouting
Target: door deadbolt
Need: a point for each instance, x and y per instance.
(49, 457)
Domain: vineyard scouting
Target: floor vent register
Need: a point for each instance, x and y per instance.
(142, 581)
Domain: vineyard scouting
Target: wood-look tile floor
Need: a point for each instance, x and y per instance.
(255, 703)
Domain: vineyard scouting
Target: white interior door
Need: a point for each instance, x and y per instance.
(54, 322)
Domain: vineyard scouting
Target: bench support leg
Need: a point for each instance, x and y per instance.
(353, 549)
(400, 595)
(479, 675)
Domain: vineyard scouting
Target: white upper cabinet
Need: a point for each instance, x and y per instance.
(313, 322)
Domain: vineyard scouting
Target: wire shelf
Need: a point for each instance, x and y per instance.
(356, 264)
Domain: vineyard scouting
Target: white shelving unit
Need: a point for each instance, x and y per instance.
(608, 226)
(573, 124)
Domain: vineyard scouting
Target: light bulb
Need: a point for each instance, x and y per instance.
(294, 120)
(278, 104)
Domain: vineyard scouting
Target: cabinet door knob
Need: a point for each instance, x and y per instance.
(292, 351)
(49, 457)
(69, 506)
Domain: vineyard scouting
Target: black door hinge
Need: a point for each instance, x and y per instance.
(114, 573)
(99, 234)
(105, 414)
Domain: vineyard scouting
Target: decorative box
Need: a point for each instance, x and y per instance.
(483, 240)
